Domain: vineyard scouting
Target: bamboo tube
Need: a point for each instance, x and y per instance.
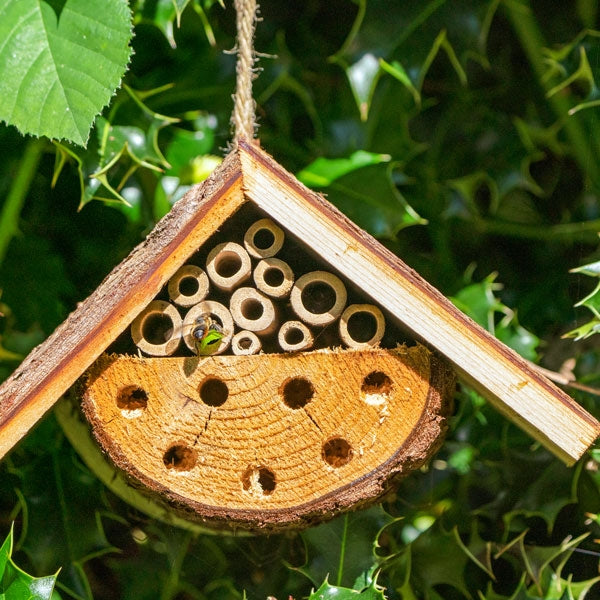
(294, 336)
(263, 239)
(253, 311)
(228, 266)
(318, 298)
(211, 309)
(180, 283)
(157, 329)
(273, 277)
(349, 334)
(245, 343)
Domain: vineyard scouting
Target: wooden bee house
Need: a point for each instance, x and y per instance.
(296, 413)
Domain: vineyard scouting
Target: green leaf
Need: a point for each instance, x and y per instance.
(63, 501)
(57, 71)
(403, 39)
(365, 194)
(15, 584)
(331, 592)
(479, 301)
(571, 64)
(117, 151)
(344, 549)
(324, 171)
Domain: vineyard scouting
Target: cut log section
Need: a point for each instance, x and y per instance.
(264, 441)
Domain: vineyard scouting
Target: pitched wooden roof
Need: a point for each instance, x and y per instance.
(248, 174)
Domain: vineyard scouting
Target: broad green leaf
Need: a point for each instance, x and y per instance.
(324, 171)
(58, 71)
(367, 194)
(15, 584)
(332, 592)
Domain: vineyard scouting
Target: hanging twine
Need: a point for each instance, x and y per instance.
(243, 117)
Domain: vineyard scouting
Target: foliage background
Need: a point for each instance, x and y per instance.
(463, 108)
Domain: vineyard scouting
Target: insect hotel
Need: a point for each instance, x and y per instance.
(253, 362)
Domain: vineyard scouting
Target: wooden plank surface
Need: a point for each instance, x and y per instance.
(51, 368)
(493, 369)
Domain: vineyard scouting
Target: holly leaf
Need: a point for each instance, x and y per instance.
(363, 188)
(332, 592)
(324, 171)
(571, 65)
(15, 584)
(479, 301)
(58, 70)
(384, 39)
(344, 549)
(117, 151)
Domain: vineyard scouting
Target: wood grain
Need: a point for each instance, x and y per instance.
(51, 368)
(494, 370)
(270, 440)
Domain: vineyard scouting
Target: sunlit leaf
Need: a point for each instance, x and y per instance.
(366, 194)
(324, 171)
(332, 592)
(15, 584)
(57, 71)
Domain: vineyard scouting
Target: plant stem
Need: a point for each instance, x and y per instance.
(11, 209)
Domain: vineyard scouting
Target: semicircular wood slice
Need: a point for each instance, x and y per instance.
(273, 440)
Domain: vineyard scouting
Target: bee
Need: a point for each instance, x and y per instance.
(207, 334)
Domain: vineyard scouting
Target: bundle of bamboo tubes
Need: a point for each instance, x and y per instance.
(257, 291)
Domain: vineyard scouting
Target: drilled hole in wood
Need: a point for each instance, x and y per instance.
(376, 388)
(318, 297)
(157, 328)
(132, 398)
(252, 309)
(228, 264)
(263, 239)
(180, 457)
(362, 326)
(273, 277)
(259, 480)
(189, 286)
(297, 392)
(376, 382)
(337, 452)
(213, 391)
